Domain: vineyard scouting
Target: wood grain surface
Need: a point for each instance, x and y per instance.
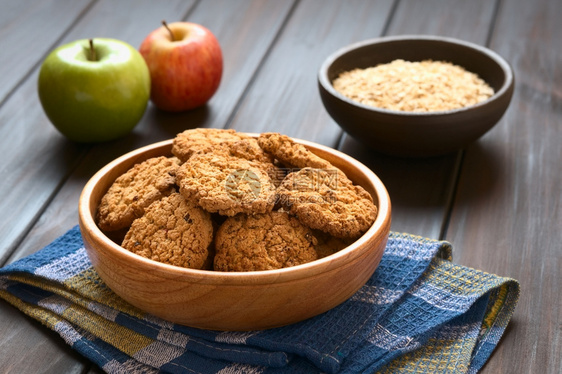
(20, 21)
(507, 214)
(497, 201)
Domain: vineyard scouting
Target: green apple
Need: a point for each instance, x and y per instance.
(94, 90)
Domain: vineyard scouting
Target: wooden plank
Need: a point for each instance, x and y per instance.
(28, 30)
(20, 23)
(257, 26)
(284, 98)
(507, 216)
(37, 160)
(129, 21)
(515, 166)
(420, 189)
(36, 157)
(466, 20)
(245, 30)
(26, 346)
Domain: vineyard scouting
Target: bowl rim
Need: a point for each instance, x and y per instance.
(494, 56)
(316, 267)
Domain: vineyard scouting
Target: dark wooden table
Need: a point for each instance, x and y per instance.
(498, 201)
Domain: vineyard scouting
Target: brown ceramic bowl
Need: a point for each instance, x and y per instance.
(237, 300)
(414, 134)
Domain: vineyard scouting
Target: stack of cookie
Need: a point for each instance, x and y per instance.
(227, 201)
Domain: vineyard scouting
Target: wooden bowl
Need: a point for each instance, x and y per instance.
(414, 134)
(235, 300)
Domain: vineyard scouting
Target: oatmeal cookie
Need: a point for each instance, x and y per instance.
(202, 140)
(290, 153)
(326, 200)
(173, 231)
(218, 141)
(135, 190)
(226, 185)
(263, 242)
(249, 149)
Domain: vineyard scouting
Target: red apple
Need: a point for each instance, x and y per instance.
(185, 64)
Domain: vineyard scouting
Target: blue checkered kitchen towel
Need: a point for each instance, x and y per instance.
(419, 312)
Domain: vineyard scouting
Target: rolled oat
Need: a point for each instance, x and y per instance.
(424, 86)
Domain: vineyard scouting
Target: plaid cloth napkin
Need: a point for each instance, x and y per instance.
(418, 313)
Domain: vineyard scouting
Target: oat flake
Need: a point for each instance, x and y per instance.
(425, 86)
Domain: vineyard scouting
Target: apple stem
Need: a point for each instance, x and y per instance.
(167, 28)
(92, 51)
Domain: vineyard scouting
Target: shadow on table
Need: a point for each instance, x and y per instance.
(166, 125)
(422, 189)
